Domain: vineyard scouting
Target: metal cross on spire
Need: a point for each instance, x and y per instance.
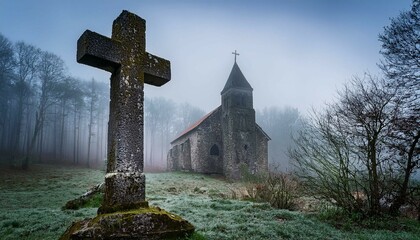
(236, 54)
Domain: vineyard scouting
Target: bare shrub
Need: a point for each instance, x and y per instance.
(277, 188)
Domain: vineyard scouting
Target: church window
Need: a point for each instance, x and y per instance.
(214, 150)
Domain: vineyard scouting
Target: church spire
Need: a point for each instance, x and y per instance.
(236, 79)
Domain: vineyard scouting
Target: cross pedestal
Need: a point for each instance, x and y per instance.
(124, 56)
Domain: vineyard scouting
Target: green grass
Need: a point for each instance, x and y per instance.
(31, 201)
(30, 208)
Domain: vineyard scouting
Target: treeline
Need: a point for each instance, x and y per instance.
(163, 120)
(281, 124)
(46, 115)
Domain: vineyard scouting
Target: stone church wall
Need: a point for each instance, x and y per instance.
(195, 163)
(239, 141)
(209, 147)
(262, 152)
(200, 150)
(179, 157)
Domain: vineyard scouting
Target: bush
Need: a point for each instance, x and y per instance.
(277, 188)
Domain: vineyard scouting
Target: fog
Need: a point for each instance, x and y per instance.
(295, 55)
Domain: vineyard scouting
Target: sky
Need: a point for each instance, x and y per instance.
(295, 53)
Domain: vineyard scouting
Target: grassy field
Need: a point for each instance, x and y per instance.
(31, 201)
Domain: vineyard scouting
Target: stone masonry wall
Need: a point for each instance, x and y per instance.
(239, 141)
(210, 136)
(262, 152)
(179, 156)
(221, 144)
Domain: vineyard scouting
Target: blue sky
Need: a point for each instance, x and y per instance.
(293, 52)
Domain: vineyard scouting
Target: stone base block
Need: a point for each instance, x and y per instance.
(123, 191)
(143, 223)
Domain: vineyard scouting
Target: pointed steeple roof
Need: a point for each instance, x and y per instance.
(236, 80)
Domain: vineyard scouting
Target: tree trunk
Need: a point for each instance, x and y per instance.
(375, 195)
(18, 125)
(55, 133)
(401, 198)
(62, 128)
(41, 145)
(90, 133)
(78, 138)
(74, 135)
(28, 129)
(38, 127)
(88, 150)
(97, 141)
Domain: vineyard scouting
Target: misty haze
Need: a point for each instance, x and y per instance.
(238, 120)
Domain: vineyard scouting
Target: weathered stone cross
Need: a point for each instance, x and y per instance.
(124, 55)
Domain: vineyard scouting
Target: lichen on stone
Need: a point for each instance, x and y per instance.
(142, 223)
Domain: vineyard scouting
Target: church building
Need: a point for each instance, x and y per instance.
(225, 141)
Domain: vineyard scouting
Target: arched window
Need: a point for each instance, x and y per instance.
(214, 150)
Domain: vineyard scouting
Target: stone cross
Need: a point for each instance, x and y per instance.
(236, 54)
(125, 56)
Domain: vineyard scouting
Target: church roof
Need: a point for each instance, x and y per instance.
(262, 131)
(201, 120)
(236, 80)
(194, 125)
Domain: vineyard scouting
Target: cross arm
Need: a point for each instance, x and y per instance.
(98, 51)
(157, 71)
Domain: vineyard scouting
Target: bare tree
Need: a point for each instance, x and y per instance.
(167, 109)
(51, 71)
(7, 65)
(92, 99)
(45, 113)
(401, 51)
(368, 114)
(343, 150)
(77, 105)
(401, 65)
(7, 62)
(374, 128)
(102, 116)
(151, 118)
(67, 91)
(27, 58)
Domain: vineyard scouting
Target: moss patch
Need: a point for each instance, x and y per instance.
(141, 223)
